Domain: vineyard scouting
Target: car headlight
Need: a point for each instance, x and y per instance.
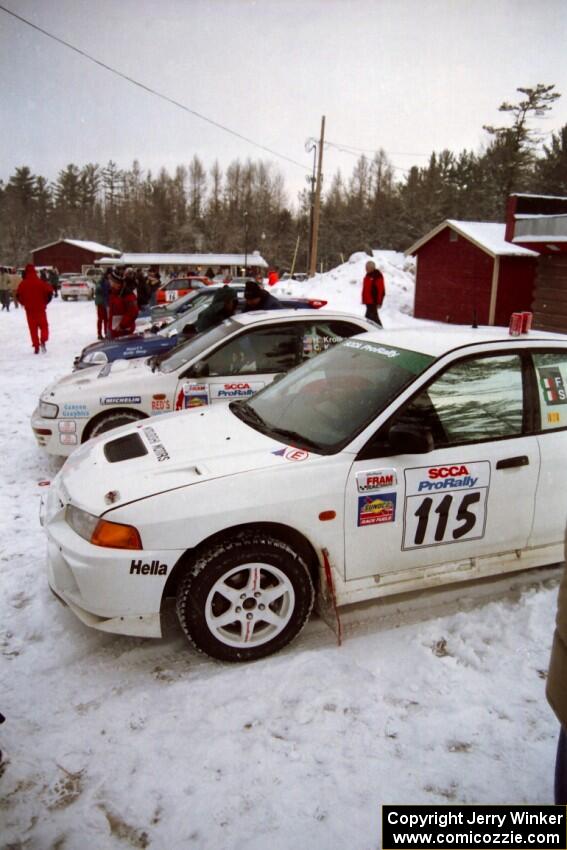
(47, 410)
(95, 357)
(100, 532)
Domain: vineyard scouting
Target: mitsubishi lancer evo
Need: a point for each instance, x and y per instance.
(393, 461)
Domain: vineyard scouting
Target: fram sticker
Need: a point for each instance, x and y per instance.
(192, 395)
(374, 510)
(375, 480)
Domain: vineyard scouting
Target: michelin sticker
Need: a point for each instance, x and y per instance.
(375, 480)
(375, 510)
(445, 504)
(121, 399)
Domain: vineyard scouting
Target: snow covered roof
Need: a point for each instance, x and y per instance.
(251, 259)
(94, 247)
(487, 235)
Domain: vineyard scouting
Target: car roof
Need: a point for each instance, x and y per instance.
(263, 316)
(437, 340)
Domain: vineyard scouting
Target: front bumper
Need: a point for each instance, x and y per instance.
(112, 590)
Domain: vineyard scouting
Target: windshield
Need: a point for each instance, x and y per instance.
(187, 351)
(324, 403)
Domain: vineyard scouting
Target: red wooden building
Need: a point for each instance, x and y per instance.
(70, 255)
(469, 271)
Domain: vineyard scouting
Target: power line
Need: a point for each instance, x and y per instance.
(150, 90)
(348, 148)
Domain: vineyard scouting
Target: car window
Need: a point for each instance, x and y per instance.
(319, 335)
(474, 400)
(551, 373)
(265, 350)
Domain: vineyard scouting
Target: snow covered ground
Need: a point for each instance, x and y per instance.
(114, 742)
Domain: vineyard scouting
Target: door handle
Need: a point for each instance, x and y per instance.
(509, 462)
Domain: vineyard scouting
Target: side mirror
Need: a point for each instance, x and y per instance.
(409, 440)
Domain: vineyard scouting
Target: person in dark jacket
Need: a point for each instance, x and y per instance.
(258, 298)
(223, 306)
(557, 688)
(373, 291)
(101, 299)
(35, 294)
(122, 306)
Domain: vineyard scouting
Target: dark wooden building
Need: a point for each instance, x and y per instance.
(467, 272)
(70, 255)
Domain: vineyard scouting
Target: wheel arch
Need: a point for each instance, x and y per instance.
(278, 530)
(112, 411)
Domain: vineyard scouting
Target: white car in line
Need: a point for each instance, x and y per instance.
(394, 461)
(233, 360)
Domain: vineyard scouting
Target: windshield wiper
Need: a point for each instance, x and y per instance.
(243, 410)
(298, 440)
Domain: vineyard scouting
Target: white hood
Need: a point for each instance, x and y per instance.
(118, 377)
(181, 449)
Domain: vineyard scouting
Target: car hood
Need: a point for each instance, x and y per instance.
(175, 450)
(121, 377)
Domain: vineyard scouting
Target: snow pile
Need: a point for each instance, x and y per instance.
(114, 742)
(342, 287)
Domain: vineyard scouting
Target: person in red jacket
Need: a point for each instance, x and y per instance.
(35, 294)
(273, 276)
(122, 306)
(373, 291)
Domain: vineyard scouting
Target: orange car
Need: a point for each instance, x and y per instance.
(178, 286)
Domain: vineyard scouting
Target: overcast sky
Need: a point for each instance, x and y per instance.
(410, 76)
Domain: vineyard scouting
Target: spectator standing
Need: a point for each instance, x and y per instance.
(258, 298)
(54, 281)
(35, 294)
(15, 280)
(373, 291)
(5, 289)
(122, 306)
(273, 276)
(101, 299)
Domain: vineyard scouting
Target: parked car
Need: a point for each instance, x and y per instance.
(232, 360)
(165, 335)
(179, 286)
(396, 461)
(73, 287)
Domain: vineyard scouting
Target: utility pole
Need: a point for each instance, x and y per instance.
(317, 206)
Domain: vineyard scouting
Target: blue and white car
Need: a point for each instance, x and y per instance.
(162, 338)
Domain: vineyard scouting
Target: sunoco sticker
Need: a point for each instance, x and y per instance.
(374, 510)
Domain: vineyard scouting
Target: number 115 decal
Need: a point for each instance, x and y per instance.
(445, 504)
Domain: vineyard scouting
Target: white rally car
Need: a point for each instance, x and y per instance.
(394, 461)
(231, 361)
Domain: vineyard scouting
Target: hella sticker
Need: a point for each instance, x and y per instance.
(375, 480)
(153, 569)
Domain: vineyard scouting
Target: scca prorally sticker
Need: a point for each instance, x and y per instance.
(235, 389)
(445, 504)
(376, 479)
(121, 399)
(192, 395)
(375, 510)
